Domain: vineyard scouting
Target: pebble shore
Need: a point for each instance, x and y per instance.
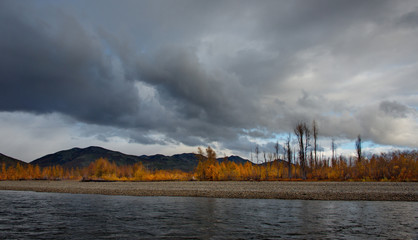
(368, 191)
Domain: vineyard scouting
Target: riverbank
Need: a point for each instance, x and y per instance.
(369, 191)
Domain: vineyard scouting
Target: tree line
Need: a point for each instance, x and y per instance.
(394, 166)
(101, 169)
(300, 163)
(307, 164)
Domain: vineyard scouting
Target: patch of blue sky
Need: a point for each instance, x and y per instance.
(350, 145)
(332, 114)
(347, 145)
(281, 136)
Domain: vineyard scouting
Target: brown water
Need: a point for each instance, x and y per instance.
(32, 215)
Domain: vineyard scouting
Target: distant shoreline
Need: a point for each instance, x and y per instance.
(367, 191)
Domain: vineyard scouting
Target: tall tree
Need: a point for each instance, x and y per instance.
(289, 156)
(257, 173)
(276, 147)
(307, 142)
(211, 154)
(311, 160)
(303, 135)
(205, 167)
(315, 138)
(358, 148)
(257, 151)
(333, 146)
(266, 164)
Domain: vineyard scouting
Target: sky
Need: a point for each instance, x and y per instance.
(148, 77)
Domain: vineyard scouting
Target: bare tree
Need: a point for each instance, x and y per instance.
(300, 135)
(257, 173)
(289, 156)
(267, 164)
(358, 148)
(311, 160)
(307, 143)
(257, 151)
(315, 138)
(294, 155)
(264, 156)
(276, 147)
(333, 146)
(271, 159)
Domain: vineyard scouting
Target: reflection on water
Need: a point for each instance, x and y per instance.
(30, 215)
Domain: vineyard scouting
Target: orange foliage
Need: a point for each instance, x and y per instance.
(395, 166)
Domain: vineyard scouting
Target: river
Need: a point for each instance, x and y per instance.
(33, 215)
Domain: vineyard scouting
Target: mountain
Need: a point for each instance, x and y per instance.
(9, 161)
(277, 161)
(185, 161)
(235, 159)
(82, 157)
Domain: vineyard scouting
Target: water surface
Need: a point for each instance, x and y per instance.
(32, 215)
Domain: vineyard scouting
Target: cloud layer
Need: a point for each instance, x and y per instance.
(207, 72)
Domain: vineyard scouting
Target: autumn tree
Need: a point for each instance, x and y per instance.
(208, 166)
(3, 173)
(200, 169)
(139, 173)
(266, 164)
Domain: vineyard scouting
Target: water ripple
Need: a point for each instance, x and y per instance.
(31, 215)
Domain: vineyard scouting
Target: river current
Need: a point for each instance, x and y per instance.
(33, 215)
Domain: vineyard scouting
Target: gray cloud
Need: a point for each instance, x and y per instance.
(230, 73)
(66, 71)
(394, 109)
(409, 19)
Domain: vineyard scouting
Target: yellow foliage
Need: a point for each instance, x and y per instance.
(395, 166)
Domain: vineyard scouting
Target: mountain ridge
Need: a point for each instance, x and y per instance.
(9, 161)
(82, 157)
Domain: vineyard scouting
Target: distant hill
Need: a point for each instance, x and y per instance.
(82, 157)
(9, 161)
(277, 161)
(235, 159)
(185, 161)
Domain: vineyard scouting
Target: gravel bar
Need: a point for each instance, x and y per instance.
(367, 191)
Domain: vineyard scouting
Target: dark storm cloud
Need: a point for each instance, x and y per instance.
(65, 71)
(198, 72)
(69, 71)
(394, 109)
(186, 87)
(410, 19)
